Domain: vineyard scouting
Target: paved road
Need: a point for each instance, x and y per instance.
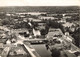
(41, 50)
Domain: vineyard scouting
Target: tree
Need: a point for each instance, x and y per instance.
(76, 36)
(5, 22)
(55, 53)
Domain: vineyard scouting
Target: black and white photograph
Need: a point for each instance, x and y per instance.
(39, 28)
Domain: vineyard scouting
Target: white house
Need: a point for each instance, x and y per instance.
(36, 32)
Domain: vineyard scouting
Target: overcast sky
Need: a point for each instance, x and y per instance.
(39, 2)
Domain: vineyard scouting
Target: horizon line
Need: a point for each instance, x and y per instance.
(45, 6)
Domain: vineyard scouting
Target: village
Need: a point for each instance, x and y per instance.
(39, 34)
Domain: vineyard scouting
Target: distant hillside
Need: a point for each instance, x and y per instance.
(51, 9)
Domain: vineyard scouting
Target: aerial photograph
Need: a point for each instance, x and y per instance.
(39, 28)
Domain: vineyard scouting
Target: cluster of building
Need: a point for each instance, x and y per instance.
(12, 45)
(35, 27)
